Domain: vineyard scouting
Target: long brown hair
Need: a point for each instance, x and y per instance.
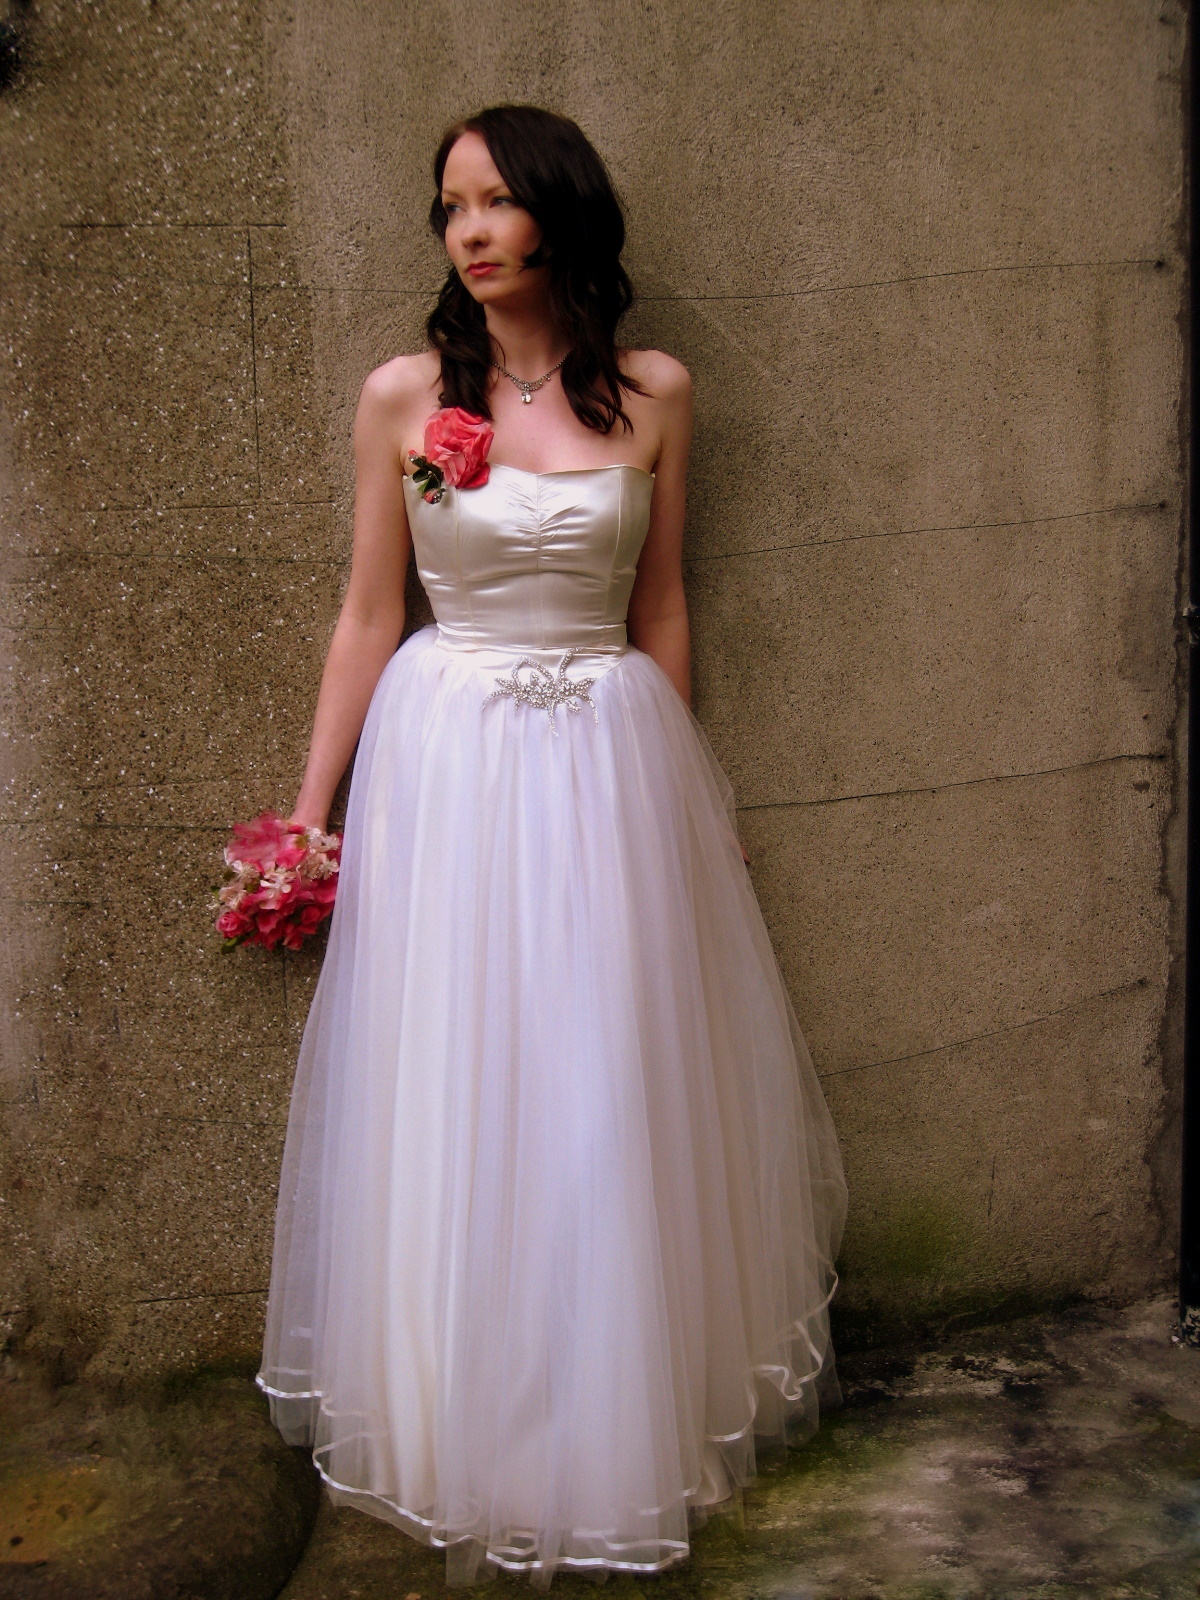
(554, 171)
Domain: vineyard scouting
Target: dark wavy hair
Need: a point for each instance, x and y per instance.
(552, 170)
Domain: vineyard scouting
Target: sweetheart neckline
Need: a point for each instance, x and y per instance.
(571, 472)
(566, 472)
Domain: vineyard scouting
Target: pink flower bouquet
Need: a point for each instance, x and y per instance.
(456, 448)
(279, 883)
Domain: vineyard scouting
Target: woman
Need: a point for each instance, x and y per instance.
(560, 1195)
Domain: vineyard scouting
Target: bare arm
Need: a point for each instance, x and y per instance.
(658, 619)
(371, 620)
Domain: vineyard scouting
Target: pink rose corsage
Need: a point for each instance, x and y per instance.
(456, 448)
(279, 882)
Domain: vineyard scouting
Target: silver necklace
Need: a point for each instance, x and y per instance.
(528, 386)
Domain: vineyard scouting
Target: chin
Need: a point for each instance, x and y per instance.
(488, 292)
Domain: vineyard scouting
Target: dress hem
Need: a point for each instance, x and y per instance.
(790, 1386)
(422, 1529)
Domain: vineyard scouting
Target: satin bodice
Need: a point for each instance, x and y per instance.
(533, 562)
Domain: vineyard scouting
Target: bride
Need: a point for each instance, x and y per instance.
(560, 1195)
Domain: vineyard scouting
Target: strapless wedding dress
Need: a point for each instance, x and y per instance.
(560, 1194)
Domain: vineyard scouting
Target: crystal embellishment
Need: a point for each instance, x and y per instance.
(544, 691)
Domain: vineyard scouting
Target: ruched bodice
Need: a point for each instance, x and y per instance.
(533, 561)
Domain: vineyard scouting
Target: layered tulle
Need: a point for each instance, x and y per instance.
(560, 1195)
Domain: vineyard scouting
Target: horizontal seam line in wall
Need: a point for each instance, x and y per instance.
(993, 1033)
(764, 805)
(83, 822)
(773, 294)
(724, 555)
(24, 902)
(221, 505)
(81, 557)
(949, 527)
(208, 1122)
(160, 226)
(154, 507)
(920, 277)
(118, 280)
(214, 1294)
(957, 783)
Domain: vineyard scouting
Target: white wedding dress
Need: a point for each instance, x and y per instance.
(560, 1194)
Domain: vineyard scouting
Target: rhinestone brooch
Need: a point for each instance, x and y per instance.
(546, 692)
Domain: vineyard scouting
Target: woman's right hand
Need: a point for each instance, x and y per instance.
(305, 817)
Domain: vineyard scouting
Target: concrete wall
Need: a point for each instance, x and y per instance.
(925, 263)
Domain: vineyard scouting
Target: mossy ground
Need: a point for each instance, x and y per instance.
(1037, 1459)
(188, 1492)
(1043, 1458)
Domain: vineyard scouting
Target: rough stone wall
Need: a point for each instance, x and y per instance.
(926, 265)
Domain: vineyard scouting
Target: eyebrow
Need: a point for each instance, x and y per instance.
(491, 189)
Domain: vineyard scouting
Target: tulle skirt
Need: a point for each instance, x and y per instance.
(560, 1194)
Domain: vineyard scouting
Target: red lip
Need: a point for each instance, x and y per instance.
(480, 269)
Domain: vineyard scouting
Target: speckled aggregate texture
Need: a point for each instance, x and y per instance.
(925, 264)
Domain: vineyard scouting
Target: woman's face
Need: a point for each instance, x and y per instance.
(488, 235)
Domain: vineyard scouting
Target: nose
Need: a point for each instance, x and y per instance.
(475, 229)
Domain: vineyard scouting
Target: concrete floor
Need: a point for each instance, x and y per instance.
(1052, 1456)
(1055, 1456)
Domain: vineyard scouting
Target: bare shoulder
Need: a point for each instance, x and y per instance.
(664, 376)
(402, 383)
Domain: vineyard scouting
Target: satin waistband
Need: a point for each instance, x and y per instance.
(501, 656)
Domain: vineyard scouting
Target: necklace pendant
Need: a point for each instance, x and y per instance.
(528, 385)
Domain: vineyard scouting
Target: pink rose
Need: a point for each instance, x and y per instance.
(232, 924)
(458, 443)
